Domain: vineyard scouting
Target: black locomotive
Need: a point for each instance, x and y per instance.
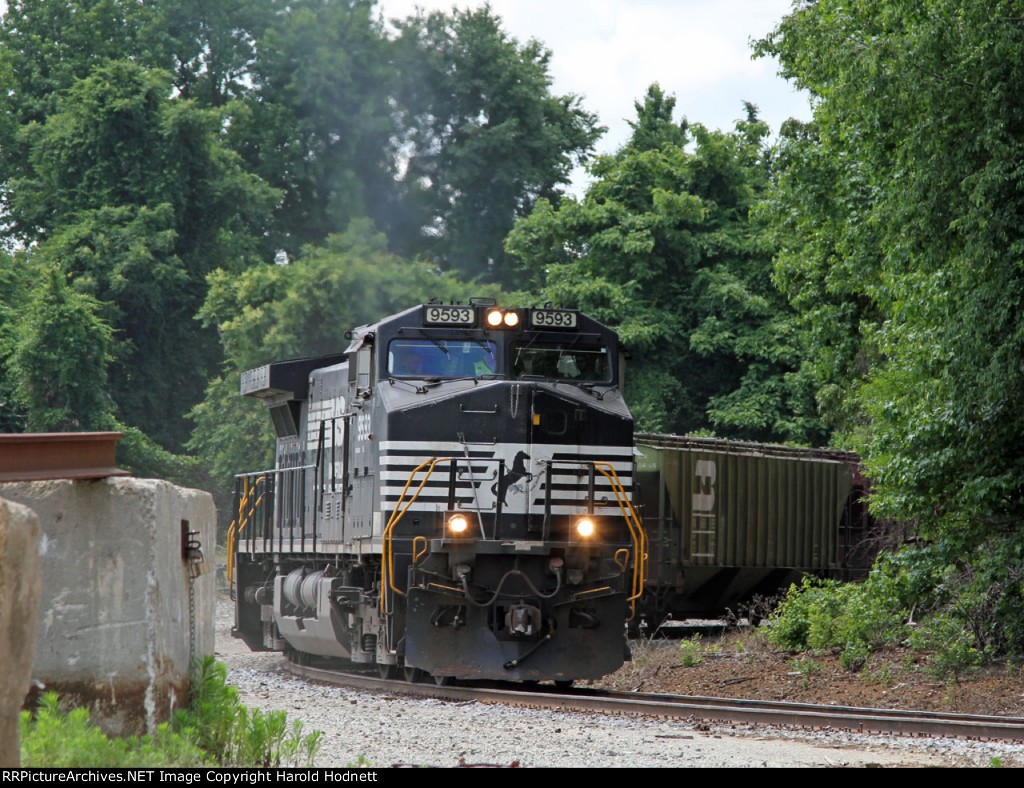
(452, 495)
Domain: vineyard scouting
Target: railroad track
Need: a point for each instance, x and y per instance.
(804, 715)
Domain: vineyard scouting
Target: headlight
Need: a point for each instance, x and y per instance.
(585, 527)
(458, 524)
(502, 318)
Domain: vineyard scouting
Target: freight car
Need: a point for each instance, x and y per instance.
(451, 496)
(730, 520)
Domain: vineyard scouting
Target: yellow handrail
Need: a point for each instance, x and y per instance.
(417, 554)
(232, 532)
(636, 532)
(388, 564)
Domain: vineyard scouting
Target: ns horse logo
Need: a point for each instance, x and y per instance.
(518, 472)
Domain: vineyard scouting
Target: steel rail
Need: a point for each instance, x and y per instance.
(38, 456)
(804, 715)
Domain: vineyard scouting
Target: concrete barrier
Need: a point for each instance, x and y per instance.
(120, 617)
(19, 597)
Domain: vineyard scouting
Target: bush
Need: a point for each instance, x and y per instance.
(953, 647)
(233, 735)
(968, 609)
(58, 738)
(851, 617)
(216, 730)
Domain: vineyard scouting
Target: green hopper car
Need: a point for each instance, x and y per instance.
(729, 520)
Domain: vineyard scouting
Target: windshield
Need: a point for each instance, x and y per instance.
(562, 362)
(441, 358)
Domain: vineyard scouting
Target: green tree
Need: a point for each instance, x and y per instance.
(480, 139)
(817, 204)
(210, 46)
(662, 248)
(15, 285)
(134, 194)
(47, 46)
(57, 360)
(919, 126)
(316, 123)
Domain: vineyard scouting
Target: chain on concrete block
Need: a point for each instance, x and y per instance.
(192, 626)
(192, 553)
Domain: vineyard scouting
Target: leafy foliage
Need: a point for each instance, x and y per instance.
(232, 734)
(145, 145)
(480, 139)
(54, 738)
(954, 651)
(58, 357)
(900, 213)
(913, 596)
(317, 122)
(690, 652)
(133, 194)
(826, 614)
(215, 730)
(662, 248)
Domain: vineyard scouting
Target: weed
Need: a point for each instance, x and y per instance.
(238, 736)
(825, 614)
(953, 649)
(949, 699)
(807, 668)
(881, 676)
(216, 730)
(690, 652)
(854, 656)
(60, 738)
(756, 610)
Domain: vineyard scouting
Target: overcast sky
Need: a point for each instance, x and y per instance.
(609, 51)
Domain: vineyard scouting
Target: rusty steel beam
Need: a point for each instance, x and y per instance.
(30, 457)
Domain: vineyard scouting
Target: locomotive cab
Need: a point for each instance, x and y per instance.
(453, 497)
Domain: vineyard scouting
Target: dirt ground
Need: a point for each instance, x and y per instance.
(740, 663)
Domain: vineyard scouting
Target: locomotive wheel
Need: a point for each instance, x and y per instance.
(412, 675)
(444, 681)
(387, 672)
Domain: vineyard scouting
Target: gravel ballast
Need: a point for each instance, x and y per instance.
(361, 728)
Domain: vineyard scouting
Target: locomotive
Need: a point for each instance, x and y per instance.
(452, 497)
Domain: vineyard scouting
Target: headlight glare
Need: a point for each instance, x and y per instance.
(458, 524)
